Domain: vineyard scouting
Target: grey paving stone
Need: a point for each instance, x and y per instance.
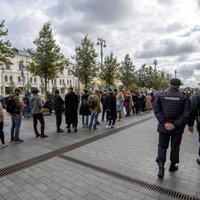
(53, 194)
(66, 192)
(24, 195)
(10, 196)
(90, 196)
(4, 190)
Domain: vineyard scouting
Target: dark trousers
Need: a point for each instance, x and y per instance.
(135, 108)
(111, 122)
(2, 133)
(74, 125)
(38, 117)
(104, 113)
(198, 129)
(164, 139)
(58, 119)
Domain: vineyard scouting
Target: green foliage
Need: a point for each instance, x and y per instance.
(85, 68)
(109, 70)
(127, 72)
(47, 61)
(6, 52)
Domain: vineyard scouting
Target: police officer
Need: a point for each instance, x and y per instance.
(195, 114)
(172, 110)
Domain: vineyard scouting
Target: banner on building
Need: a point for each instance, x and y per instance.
(21, 66)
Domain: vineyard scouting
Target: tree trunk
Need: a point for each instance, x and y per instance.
(45, 88)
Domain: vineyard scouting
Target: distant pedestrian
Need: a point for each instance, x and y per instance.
(84, 109)
(111, 109)
(195, 115)
(36, 107)
(104, 102)
(172, 110)
(71, 110)
(120, 104)
(1, 127)
(94, 105)
(16, 117)
(59, 108)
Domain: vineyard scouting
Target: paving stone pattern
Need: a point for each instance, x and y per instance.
(131, 152)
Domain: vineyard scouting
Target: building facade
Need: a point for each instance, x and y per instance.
(13, 76)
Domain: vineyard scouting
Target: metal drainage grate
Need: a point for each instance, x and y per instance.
(33, 161)
(141, 183)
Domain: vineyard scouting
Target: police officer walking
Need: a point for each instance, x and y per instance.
(172, 110)
(195, 114)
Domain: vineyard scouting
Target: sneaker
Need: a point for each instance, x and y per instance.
(12, 141)
(95, 128)
(69, 130)
(75, 130)
(18, 141)
(43, 136)
(4, 145)
(173, 167)
(112, 127)
(107, 126)
(198, 161)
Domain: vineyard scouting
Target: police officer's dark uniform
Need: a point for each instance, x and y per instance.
(195, 114)
(172, 110)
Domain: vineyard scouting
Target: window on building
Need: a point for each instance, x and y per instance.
(70, 82)
(8, 67)
(60, 82)
(20, 62)
(67, 82)
(69, 72)
(6, 79)
(31, 80)
(19, 79)
(55, 81)
(35, 80)
(63, 82)
(52, 82)
(11, 79)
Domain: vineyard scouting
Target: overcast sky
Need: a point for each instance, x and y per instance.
(165, 30)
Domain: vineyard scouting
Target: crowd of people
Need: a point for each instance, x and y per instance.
(173, 109)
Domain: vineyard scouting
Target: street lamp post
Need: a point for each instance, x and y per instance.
(102, 44)
(175, 73)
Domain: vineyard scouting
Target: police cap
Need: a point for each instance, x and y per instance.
(175, 82)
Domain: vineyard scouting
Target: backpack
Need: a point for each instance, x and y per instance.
(10, 104)
(92, 104)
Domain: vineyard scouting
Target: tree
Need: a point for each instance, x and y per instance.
(109, 70)
(127, 72)
(47, 61)
(6, 52)
(85, 68)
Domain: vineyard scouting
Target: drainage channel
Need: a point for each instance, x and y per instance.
(153, 187)
(33, 161)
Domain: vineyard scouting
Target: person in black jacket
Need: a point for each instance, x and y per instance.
(111, 109)
(71, 110)
(195, 115)
(172, 110)
(58, 106)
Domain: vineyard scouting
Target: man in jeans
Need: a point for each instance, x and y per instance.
(16, 118)
(36, 105)
(94, 110)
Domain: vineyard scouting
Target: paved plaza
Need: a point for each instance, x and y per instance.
(130, 151)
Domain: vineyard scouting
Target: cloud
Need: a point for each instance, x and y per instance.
(98, 11)
(165, 48)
